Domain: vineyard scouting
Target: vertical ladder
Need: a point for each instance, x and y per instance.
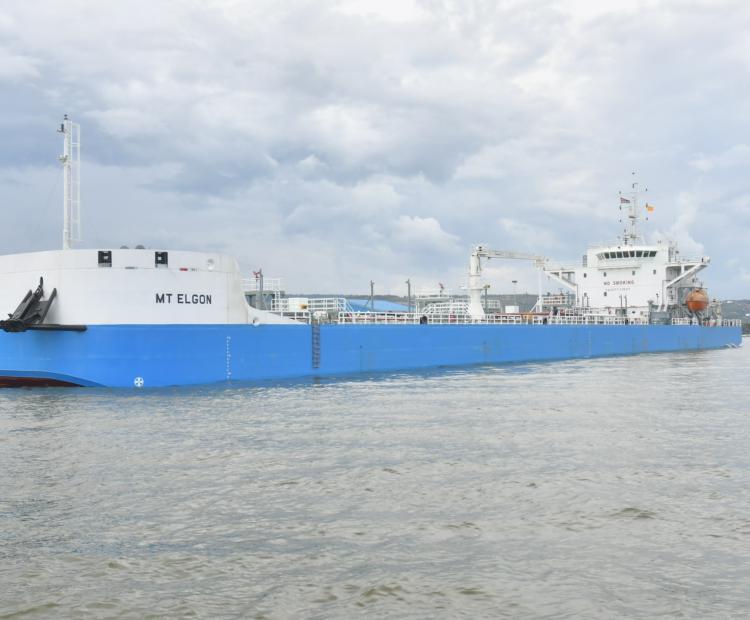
(315, 345)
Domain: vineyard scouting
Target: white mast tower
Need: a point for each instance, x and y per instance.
(71, 161)
(631, 235)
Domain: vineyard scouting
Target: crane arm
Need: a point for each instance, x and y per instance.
(475, 271)
(481, 251)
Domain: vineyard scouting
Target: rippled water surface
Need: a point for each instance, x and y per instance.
(584, 489)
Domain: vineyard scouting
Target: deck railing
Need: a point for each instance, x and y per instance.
(708, 322)
(415, 318)
(412, 318)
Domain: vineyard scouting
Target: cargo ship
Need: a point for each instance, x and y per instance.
(139, 318)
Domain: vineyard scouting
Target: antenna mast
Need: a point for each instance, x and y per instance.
(630, 200)
(71, 162)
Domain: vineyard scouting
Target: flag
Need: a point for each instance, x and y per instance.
(624, 201)
(650, 208)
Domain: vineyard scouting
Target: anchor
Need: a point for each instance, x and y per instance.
(32, 311)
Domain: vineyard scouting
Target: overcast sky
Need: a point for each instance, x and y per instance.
(335, 142)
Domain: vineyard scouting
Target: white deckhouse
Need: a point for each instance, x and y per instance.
(631, 277)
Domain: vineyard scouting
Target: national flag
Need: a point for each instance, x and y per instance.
(624, 201)
(650, 208)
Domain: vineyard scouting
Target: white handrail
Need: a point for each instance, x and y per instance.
(412, 318)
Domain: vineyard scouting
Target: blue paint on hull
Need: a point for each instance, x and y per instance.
(163, 355)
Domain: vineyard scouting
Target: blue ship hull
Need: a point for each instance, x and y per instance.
(165, 355)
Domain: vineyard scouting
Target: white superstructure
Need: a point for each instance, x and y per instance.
(131, 286)
(630, 277)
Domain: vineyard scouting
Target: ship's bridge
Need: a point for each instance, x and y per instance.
(630, 277)
(626, 253)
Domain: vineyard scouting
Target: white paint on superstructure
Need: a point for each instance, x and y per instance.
(628, 278)
(631, 277)
(193, 288)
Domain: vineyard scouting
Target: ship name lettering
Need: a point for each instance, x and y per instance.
(202, 299)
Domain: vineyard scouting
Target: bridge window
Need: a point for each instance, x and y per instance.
(619, 255)
(639, 253)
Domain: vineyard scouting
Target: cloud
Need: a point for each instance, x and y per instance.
(680, 230)
(336, 142)
(424, 233)
(15, 67)
(737, 155)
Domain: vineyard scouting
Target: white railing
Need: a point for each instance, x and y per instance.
(413, 318)
(451, 306)
(680, 260)
(560, 299)
(252, 285)
(596, 319)
(311, 304)
(708, 322)
(297, 315)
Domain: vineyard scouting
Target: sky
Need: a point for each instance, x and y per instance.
(331, 143)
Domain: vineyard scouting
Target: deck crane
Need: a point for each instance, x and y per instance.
(475, 273)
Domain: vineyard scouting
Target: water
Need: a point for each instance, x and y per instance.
(584, 489)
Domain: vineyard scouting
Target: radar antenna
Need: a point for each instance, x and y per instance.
(71, 162)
